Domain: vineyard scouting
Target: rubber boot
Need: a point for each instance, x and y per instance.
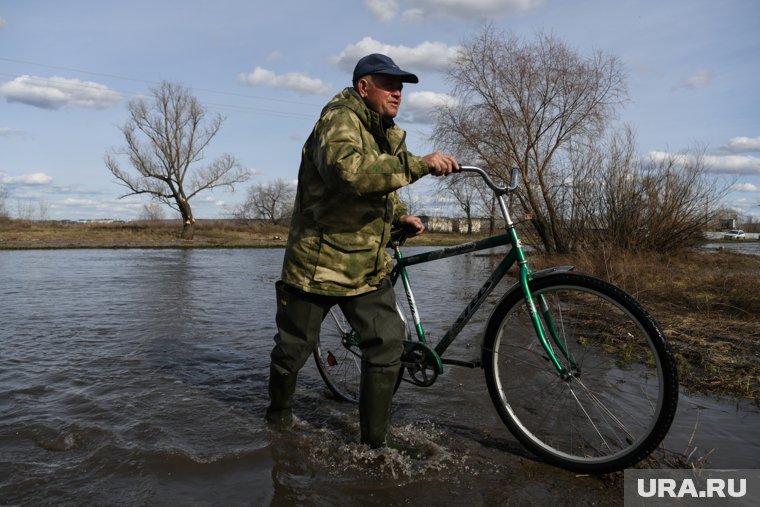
(375, 396)
(281, 389)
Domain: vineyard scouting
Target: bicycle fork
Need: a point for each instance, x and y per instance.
(543, 321)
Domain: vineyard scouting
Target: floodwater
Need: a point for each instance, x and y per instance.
(743, 247)
(138, 377)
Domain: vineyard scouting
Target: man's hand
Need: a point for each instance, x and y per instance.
(411, 224)
(440, 164)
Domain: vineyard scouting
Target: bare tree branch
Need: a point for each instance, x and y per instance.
(271, 201)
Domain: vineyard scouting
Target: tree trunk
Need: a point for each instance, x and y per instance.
(188, 230)
(188, 222)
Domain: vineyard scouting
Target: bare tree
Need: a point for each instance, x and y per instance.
(657, 204)
(411, 199)
(272, 201)
(676, 198)
(152, 211)
(24, 210)
(469, 194)
(4, 213)
(520, 103)
(166, 142)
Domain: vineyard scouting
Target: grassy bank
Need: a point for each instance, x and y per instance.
(708, 303)
(17, 234)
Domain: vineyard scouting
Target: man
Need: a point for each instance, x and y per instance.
(351, 165)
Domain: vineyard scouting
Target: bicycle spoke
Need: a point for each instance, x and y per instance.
(602, 416)
(338, 358)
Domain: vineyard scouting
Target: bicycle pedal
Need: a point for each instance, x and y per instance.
(475, 363)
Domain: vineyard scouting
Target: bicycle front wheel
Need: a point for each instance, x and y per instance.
(338, 356)
(620, 398)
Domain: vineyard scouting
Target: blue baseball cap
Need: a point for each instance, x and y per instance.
(381, 64)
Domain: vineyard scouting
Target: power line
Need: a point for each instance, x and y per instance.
(69, 69)
(62, 85)
(155, 83)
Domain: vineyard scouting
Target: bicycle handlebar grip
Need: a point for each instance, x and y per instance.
(515, 178)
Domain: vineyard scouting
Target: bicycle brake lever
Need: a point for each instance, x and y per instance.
(398, 236)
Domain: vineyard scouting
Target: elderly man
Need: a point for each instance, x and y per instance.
(351, 165)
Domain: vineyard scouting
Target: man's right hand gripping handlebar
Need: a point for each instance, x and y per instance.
(440, 164)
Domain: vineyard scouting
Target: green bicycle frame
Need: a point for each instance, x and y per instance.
(515, 255)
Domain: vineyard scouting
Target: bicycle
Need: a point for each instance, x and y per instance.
(578, 370)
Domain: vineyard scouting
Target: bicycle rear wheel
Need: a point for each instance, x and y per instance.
(621, 398)
(338, 356)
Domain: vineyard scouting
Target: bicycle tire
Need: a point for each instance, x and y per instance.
(338, 357)
(618, 407)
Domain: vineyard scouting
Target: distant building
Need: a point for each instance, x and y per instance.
(437, 224)
(447, 224)
(99, 221)
(460, 225)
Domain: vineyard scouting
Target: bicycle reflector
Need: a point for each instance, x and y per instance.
(331, 359)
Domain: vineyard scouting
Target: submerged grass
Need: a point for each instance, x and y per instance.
(708, 304)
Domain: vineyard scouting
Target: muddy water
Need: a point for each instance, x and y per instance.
(138, 377)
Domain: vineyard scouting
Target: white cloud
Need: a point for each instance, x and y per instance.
(2, 23)
(382, 10)
(726, 164)
(423, 105)
(746, 187)
(56, 92)
(744, 144)
(733, 164)
(699, 79)
(210, 199)
(426, 56)
(413, 15)
(292, 81)
(27, 179)
(72, 202)
(385, 10)
(7, 132)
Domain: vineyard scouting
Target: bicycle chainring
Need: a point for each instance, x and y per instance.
(421, 363)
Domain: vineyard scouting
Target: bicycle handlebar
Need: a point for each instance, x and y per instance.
(399, 234)
(491, 183)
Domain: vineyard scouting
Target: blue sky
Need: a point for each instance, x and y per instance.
(68, 69)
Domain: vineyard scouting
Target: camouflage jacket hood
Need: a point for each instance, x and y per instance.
(351, 165)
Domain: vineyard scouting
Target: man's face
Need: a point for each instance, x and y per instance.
(382, 93)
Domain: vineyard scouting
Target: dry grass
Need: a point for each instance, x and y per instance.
(161, 234)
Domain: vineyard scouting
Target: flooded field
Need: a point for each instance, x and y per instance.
(138, 377)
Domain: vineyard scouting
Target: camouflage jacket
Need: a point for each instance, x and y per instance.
(351, 165)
